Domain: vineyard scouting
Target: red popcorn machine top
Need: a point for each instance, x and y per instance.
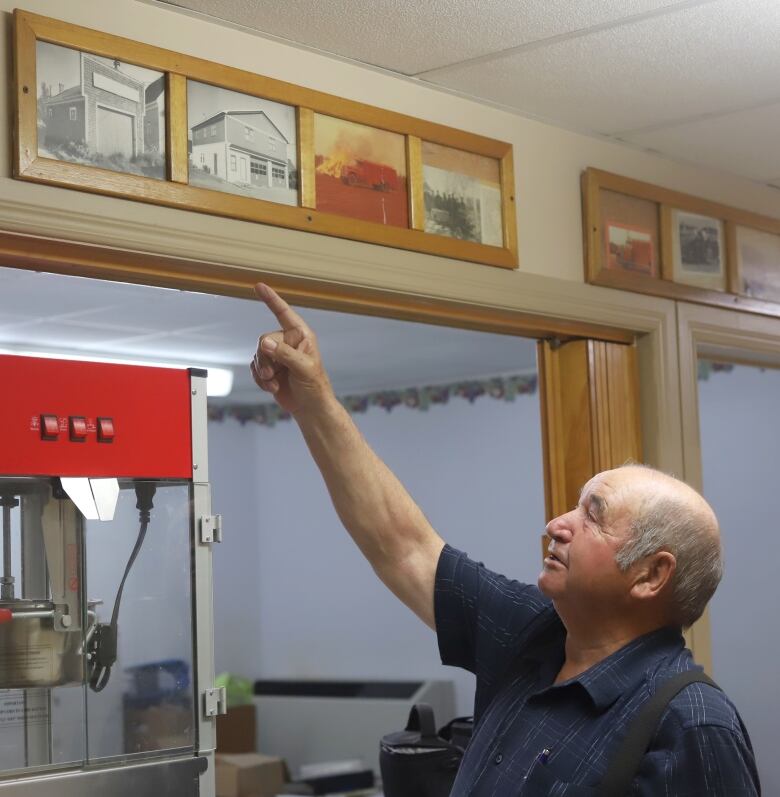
(106, 625)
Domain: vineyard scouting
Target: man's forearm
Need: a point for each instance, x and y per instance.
(375, 508)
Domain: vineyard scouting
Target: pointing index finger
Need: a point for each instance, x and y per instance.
(287, 317)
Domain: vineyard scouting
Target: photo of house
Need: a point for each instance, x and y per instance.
(100, 112)
(242, 144)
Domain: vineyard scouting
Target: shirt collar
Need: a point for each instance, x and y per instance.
(606, 681)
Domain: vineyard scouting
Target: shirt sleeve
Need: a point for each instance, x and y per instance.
(707, 759)
(483, 618)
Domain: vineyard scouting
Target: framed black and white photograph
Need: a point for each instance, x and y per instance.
(698, 253)
(462, 194)
(241, 144)
(99, 111)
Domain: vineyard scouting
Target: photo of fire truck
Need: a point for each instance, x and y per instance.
(368, 174)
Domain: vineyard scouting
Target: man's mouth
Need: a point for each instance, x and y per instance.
(552, 557)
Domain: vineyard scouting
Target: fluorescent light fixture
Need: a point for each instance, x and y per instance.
(219, 382)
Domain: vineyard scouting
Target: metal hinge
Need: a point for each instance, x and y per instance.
(215, 702)
(211, 528)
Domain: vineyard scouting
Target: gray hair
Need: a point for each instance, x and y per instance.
(663, 520)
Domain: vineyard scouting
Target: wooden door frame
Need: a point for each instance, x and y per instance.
(739, 337)
(114, 240)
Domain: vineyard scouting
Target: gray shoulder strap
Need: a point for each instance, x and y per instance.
(626, 761)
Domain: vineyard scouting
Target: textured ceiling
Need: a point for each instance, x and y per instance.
(71, 315)
(413, 37)
(695, 80)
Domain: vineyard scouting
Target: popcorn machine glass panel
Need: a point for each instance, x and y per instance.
(147, 704)
(72, 589)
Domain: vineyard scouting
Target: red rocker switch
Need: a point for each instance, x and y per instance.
(105, 430)
(50, 427)
(78, 429)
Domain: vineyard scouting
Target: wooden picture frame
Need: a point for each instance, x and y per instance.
(724, 290)
(176, 190)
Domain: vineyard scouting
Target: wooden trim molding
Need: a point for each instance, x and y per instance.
(116, 241)
(176, 128)
(738, 337)
(64, 257)
(590, 414)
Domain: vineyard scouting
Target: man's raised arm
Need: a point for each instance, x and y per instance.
(380, 515)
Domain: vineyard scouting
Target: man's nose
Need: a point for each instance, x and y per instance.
(559, 528)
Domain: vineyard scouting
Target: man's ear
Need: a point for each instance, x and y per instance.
(653, 574)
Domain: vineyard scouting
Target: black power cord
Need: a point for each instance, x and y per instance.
(103, 644)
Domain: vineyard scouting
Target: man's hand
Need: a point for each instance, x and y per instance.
(287, 363)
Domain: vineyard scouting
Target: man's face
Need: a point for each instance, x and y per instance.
(580, 571)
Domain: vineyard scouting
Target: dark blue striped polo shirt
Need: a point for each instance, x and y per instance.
(535, 739)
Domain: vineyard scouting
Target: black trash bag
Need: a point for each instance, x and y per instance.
(418, 761)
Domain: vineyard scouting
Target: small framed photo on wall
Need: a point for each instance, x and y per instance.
(758, 264)
(698, 251)
(629, 248)
(630, 235)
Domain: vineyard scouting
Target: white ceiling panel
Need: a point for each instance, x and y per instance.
(747, 142)
(411, 37)
(671, 68)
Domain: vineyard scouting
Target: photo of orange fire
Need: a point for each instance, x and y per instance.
(360, 171)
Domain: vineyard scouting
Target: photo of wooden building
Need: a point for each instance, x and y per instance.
(243, 148)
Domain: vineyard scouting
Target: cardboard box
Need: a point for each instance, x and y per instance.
(236, 730)
(249, 775)
(159, 727)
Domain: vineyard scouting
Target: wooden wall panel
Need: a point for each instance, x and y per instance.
(589, 392)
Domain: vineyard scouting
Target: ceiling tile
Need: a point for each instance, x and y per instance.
(745, 143)
(362, 353)
(45, 334)
(670, 68)
(411, 37)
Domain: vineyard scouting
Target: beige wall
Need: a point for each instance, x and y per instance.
(548, 160)
(548, 164)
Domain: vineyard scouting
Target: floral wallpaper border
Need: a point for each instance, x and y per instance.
(502, 388)
(708, 367)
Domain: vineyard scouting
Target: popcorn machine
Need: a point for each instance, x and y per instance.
(106, 625)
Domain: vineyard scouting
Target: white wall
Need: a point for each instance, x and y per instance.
(740, 440)
(294, 597)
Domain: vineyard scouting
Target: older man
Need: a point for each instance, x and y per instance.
(561, 668)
